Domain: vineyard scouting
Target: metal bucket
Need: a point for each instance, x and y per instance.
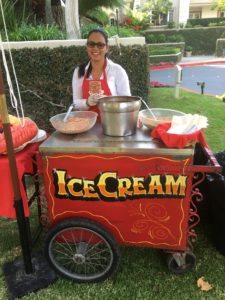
(119, 114)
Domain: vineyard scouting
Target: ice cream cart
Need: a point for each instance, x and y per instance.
(104, 192)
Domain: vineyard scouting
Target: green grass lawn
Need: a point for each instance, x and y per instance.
(143, 272)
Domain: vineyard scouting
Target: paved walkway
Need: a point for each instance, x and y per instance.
(209, 70)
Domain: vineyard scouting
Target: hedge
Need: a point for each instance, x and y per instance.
(204, 21)
(220, 48)
(173, 59)
(45, 76)
(163, 51)
(180, 45)
(202, 40)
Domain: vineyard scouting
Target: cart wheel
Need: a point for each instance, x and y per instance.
(82, 250)
(180, 263)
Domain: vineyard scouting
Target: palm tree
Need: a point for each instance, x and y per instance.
(74, 8)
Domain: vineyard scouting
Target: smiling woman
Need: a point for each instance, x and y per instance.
(99, 76)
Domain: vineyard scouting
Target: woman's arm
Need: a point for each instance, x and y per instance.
(122, 82)
(118, 80)
(78, 100)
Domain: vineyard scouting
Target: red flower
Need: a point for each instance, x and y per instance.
(158, 84)
(127, 20)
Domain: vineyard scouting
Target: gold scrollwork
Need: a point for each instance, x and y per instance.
(154, 219)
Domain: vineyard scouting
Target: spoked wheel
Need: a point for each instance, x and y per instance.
(82, 250)
(180, 263)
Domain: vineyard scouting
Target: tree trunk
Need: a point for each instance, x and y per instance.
(48, 12)
(72, 19)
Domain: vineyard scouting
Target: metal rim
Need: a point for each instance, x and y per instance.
(81, 254)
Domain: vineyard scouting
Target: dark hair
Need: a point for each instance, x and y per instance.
(82, 67)
(102, 32)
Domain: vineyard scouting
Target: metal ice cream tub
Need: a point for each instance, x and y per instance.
(119, 114)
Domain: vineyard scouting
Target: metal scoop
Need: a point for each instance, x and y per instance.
(68, 112)
(149, 109)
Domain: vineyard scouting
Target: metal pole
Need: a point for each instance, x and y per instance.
(18, 202)
(202, 86)
(178, 81)
(117, 21)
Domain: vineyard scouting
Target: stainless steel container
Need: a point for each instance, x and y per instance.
(119, 114)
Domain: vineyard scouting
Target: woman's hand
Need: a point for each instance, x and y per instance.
(93, 99)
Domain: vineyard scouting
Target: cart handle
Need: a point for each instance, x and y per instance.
(212, 158)
(214, 167)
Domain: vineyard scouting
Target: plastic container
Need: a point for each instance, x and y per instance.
(162, 115)
(77, 122)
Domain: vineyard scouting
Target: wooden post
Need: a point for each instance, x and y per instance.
(18, 202)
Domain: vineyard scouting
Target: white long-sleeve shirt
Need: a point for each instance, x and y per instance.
(117, 80)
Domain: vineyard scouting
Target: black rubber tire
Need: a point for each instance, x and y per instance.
(82, 250)
(173, 267)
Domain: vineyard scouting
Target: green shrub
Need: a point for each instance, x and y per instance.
(151, 38)
(203, 40)
(188, 25)
(162, 54)
(136, 20)
(171, 24)
(13, 17)
(220, 46)
(98, 15)
(171, 46)
(217, 24)
(110, 30)
(175, 38)
(123, 31)
(161, 38)
(188, 48)
(204, 22)
(161, 51)
(88, 27)
(164, 59)
(34, 33)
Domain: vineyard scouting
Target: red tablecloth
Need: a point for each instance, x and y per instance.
(24, 165)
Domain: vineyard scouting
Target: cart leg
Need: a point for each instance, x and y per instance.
(181, 262)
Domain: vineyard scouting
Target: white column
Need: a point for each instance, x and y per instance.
(184, 11)
(181, 11)
(72, 19)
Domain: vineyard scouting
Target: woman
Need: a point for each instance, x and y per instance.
(98, 77)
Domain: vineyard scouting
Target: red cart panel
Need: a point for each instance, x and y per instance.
(126, 194)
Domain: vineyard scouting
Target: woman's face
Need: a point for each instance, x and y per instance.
(96, 47)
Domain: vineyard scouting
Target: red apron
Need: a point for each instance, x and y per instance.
(104, 86)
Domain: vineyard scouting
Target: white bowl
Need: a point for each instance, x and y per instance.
(162, 115)
(77, 122)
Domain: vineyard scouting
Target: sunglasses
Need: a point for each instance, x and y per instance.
(98, 45)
